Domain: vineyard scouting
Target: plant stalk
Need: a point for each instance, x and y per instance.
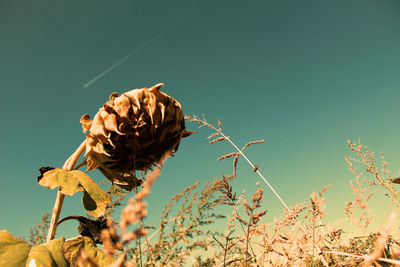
(258, 172)
(68, 166)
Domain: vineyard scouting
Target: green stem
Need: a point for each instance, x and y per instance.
(68, 166)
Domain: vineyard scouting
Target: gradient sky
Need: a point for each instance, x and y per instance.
(303, 75)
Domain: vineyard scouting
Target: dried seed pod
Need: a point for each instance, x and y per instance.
(131, 132)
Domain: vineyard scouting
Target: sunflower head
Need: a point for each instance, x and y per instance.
(131, 132)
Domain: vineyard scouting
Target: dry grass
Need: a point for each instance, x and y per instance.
(37, 233)
(190, 233)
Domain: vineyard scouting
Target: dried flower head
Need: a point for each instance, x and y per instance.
(131, 132)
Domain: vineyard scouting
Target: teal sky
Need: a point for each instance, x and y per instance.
(303, 75)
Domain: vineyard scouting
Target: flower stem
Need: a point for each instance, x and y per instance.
(68, 166)
(55, 216)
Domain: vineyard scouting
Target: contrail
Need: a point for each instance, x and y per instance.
(141, 47)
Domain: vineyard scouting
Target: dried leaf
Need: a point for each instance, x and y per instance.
(68, 184)
(89, 227)
(42, 171)
(94, 199)
(72, 250)
(48, 254)
(13, 252)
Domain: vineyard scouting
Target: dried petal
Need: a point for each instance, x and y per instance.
(86, 122)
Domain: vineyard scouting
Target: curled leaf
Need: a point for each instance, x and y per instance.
(94, 199)
(42, 171)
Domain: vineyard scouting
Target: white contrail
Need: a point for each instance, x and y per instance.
(122, 60)
(141, 47)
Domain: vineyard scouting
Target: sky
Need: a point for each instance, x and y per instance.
(303, 75)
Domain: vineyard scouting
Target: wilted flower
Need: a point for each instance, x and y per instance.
(132, 132)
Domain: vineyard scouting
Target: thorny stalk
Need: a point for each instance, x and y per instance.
(203, 122)
(68, 166)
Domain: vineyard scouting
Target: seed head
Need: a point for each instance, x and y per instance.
(131, 132)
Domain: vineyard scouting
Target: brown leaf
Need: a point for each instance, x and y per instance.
(42, 171)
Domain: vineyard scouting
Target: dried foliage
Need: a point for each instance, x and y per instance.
(362, 190)
(299, 238)
(193, 232)
(131, 132)
(37, 233)
(183, 231)
(382, 175)
(201, 122)
(117, 196)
